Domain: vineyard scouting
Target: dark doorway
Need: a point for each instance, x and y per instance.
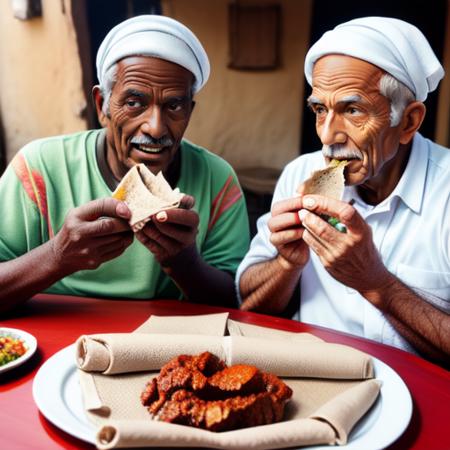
(428, 17)
(93, 19)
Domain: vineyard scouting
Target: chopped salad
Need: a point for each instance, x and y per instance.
(11, 349)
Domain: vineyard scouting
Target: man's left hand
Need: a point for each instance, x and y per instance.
(170, 232)
(350, 257)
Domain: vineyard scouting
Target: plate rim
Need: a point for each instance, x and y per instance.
(31, 342)
(47, 410)
(89, 431)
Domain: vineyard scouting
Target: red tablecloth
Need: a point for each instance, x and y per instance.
(56, 321)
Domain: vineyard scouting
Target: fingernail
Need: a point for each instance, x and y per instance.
(161, 216)
(309, 202)
(123, 211)
(302, 214)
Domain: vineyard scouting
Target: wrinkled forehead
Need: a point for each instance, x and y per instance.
(153, 71)
(341, 72)
(347, 66)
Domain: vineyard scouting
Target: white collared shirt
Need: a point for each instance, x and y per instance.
(411, 230)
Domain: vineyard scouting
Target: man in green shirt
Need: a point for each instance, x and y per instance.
(62, 232)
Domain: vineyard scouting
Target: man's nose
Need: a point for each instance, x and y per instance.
(332, 131)
(154, 123)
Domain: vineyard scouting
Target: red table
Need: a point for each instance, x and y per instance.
(56, 321)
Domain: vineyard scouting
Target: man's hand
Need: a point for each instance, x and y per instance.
(349, 257)
(92, 234)
(287, 233)
(170, 232)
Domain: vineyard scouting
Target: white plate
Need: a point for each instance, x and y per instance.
(29, 342)
(58, 396)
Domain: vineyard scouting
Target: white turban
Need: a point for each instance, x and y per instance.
(157, 36)
(395, 46)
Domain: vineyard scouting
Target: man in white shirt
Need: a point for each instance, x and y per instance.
(388, 277)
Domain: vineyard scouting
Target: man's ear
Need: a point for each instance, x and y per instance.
(98, 101)
(412, 119)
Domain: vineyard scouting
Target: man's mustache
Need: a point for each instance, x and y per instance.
(340, 151)
(165, 141)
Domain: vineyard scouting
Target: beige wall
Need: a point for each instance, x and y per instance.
(40, 76)
(249, 118)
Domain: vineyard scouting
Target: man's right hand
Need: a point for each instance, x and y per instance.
(268, 286)
(287, 232)
(92, 234)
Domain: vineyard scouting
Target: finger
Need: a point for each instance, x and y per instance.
(287, 205)
(165, 241)
(159, 250)
(113, 238)
(301, 190)
(154, 239)
(187, 202)
(286, 236)
(103, 207)
(345, 212)
(188, 218)
(323, 233)
(108, 246)
(105, 226)
(319, 247)
(179, 233)
(284, 221)
(149, 232)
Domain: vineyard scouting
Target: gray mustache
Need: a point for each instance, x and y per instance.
(164, 141)
(340, 151)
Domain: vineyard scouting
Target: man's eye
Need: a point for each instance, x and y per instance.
(319, 110)
(133, 104)
(175, 106)
(353, 111)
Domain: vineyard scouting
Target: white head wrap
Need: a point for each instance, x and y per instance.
(157, 36)
(395, 46)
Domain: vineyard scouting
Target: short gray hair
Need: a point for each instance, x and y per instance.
(109, 80)
(398, 94)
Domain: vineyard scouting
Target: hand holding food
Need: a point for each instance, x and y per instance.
(146, 194)
(351, 258)
(92, 234)
(162, 218)
(286, 233)
(330, 183)
(170, 234)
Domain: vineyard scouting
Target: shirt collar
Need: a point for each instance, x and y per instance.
(410, 189)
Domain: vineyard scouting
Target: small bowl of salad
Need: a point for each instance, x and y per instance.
(16, 347)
